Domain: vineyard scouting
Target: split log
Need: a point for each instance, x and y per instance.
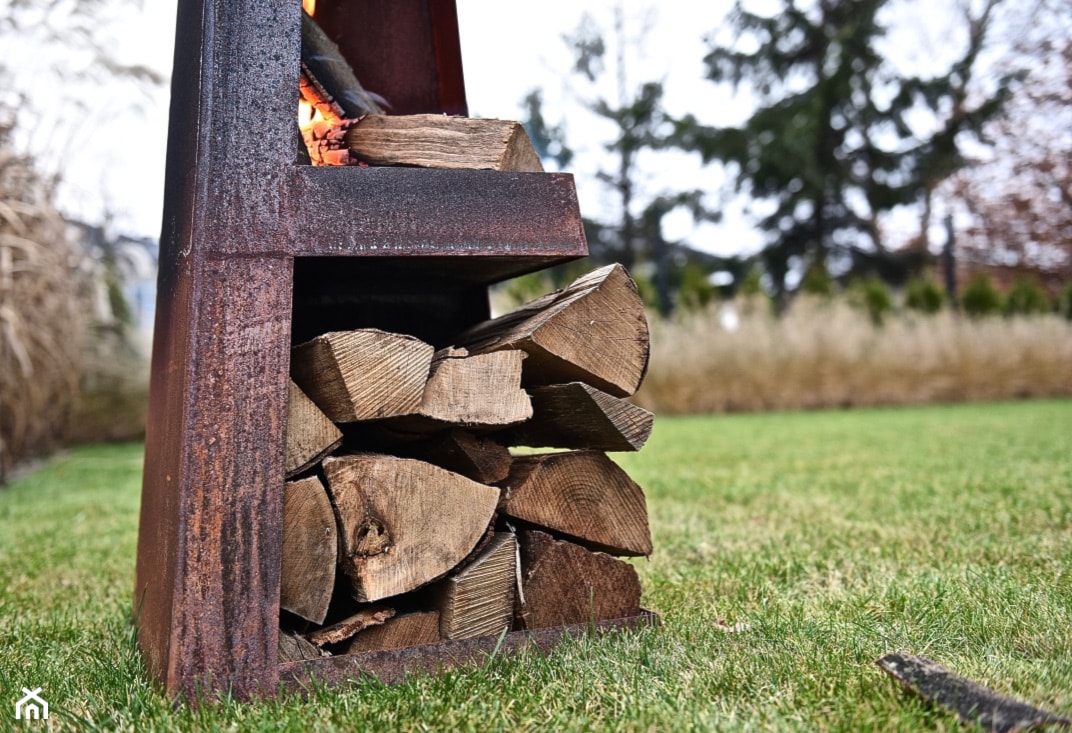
(409, 629)
(438, 141)
(582, 494)
(310, 550)
(310, 433)
(594, 332)
(479, 600)
(327, 80)
(295, 648)
(350, 626)
(576, 415)
(403, 523)
(563, 583)
(481, 458)
(481, 391)
(365, 374)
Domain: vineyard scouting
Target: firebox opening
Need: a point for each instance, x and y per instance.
(399, 295)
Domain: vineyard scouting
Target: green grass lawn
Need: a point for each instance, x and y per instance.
(832, 537)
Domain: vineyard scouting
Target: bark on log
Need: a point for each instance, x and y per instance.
(437, 141)
(563, 583)
(479, 600)
(310, 433)
(365, 374)
(582, 494)
(403, 523)
(576, 415)
(409, 629)
(594, 331)
(310, 549)
(348, 627)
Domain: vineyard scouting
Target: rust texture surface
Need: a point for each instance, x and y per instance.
(238, 211)
(395, 665)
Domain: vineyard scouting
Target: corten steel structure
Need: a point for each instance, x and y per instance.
(258, 252)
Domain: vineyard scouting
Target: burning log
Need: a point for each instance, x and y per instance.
(327, 82)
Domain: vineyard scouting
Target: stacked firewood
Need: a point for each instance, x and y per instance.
(407, 518)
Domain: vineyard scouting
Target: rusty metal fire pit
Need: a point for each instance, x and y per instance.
(253, 244)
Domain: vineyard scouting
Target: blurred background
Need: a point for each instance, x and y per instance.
(825, 203)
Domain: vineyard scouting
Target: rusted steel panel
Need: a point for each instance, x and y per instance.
(228, 537)
(404, 50)
(412, 212)
(394, 665)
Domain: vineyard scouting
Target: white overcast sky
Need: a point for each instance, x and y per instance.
(508, 48)
(114, 153)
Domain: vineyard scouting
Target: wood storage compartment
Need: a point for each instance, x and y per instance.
(260, 253)
(440, 533)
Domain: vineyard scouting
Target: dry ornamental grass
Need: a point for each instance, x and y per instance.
(827, 354)
(42, 321)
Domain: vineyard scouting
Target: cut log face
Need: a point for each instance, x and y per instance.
(565, 584)
(479, 600)
(310, 433)
(365, 374)
(410, 629)
(437, 141)
(594, 331)
(584, 495)
(481, 391)
(403, 523)
(310, 548)
(576, 415)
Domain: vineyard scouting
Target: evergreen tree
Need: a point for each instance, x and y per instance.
(829, 146)
(636, 114)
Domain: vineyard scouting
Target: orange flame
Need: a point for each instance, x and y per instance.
(310, 6)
